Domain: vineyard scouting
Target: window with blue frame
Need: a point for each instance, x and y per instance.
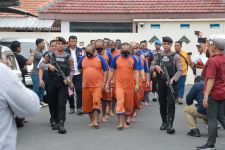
(215, 26)
(155, 26)
(184, 26)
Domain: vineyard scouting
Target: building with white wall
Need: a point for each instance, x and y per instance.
(133, 20)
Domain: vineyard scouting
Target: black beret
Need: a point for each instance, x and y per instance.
(61, 39)
(167, 39)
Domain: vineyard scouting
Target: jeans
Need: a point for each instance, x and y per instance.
(36, 88)
(181, 86)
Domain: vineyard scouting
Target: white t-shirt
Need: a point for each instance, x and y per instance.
(73, 54)
(201, 58)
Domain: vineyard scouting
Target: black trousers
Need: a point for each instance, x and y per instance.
(215, 111)
(58, 97)
(166, 102)
(77, 81)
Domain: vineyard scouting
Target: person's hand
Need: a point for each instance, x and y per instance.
(171, 81)
(52, 68)
(205, 102)
(71, 85)
(136, 88)
(148, 84)
(107, 88)
(154, 74)
(158, 69)
(41, 83)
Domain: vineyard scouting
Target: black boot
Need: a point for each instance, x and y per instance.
(164, 124)
(52, 122)
(61, 129)
(194, 132)
(170, 129)
(55, 126)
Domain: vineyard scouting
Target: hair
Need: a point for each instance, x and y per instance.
(90, 45)
(52, 42)
(99, 40)
(198, 79)
(83, 48)
(39, 40)
(72, 37)
(125, 44)
(15, 45)
(106, 39)
(92, 41)
(179, 42)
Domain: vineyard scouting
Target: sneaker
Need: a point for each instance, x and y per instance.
(43, 104)
(206, 147)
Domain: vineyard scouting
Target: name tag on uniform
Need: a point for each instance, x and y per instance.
(165, 59)
(60, 59)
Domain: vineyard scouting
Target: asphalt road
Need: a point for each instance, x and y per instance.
(144, 134)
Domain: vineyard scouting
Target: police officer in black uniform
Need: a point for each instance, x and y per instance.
(58, 86)
(166, 101)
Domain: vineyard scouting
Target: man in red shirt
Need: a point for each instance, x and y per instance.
(92, 66)
(214, 89)
(124, 66)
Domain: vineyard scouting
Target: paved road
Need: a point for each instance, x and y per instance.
(143, 135)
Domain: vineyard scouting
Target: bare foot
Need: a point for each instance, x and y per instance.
(135, 114)
(132, 119)
(104, 119)
(96, 125)
(120, 127)
(112, 114)
(126, 126)
(91, 124)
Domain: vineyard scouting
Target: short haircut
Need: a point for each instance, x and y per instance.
(52, 42)
(92, 41)
(72, 37)
(15, 45)
(99, 40)
(106, 39)
(179, 42)
(90, 45)
(143, 42)
(198, 79)
(39, 40)
(125, 44)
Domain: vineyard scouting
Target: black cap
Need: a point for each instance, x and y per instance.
(61, 39)
(167, 39)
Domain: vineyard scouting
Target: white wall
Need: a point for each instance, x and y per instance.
(146, 33)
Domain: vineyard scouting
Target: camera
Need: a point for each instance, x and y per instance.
(189, 53)
(142, 24)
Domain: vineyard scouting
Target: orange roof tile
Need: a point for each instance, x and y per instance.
(30, 6)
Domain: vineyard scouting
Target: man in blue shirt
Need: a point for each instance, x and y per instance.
(193, 111)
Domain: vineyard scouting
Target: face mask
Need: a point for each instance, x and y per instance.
(113, 49)
(125, 53)
(89, 54)
(99, 50)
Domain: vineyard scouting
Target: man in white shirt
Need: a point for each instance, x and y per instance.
(200, 60)
(76, 54)
(15, 100)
